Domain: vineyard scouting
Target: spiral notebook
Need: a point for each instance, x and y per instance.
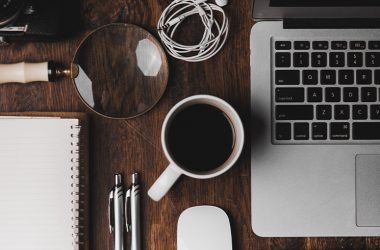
(42, 183)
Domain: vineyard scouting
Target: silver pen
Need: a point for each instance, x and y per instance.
(132, 207)
(116, 213)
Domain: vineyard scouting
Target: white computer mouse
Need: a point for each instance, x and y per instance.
(204, 228)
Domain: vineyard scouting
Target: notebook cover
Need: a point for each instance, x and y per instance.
(84, 161)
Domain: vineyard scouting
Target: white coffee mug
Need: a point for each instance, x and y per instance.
(174, 171)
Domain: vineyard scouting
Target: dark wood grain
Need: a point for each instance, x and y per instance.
(134, 145)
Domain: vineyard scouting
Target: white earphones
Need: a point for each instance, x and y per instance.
(221, 3)
(214, 35)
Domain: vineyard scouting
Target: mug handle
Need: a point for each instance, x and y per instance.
(162, 185)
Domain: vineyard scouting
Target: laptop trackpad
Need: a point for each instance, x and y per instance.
(368, 190)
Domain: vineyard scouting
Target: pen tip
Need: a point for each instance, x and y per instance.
(135, 178)
(117, 178)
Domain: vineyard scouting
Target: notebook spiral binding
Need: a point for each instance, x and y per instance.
(77, 189)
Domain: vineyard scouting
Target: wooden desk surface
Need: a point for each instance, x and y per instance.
(134, 145)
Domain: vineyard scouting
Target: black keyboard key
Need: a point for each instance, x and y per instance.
(318, 59)
(346, 77)
(328, 77)
(342, 112)
(301, 131)
(366, 130)
(364, 76)
(355, 59)
(337, 59)
(357, 45)
(372, 59)
(282, 59)
(283, 45)
(301, 45)
(283, 131)
(377, 76)
(290, 95)
(375, 112)
(359, 112)
(310, 77)
(294, 112)
(320, 45)
(319, 131)
(323, 112)
(374, 45)
(368, 94)
(314, 94)
(301, 59)
(339, 131)
(350, 95)
(332, 94)
(287, 77)
(339, 45)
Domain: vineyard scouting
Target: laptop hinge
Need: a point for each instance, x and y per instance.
(322, 23)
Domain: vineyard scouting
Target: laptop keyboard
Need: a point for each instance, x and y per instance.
(326, 91)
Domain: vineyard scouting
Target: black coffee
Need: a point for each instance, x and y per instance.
(200, 138)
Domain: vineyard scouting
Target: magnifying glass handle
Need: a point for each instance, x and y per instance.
(24, 72)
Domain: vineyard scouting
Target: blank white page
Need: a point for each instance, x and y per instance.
(36, 183)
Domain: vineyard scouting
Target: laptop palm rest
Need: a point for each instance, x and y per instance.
(368, 190)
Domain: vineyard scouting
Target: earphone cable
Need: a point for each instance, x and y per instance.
(214, 35)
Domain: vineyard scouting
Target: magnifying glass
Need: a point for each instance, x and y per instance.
(119, 71)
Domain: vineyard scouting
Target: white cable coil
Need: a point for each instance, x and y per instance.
(214, 35)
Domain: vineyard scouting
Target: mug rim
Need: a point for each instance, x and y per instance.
(217, 171)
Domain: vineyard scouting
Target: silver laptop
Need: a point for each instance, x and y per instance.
(315, 97)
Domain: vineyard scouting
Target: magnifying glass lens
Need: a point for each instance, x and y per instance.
(122, 71)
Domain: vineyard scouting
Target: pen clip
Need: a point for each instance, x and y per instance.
(111, 216)
(128, 210)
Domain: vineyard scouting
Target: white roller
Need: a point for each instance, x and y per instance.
(24, 72)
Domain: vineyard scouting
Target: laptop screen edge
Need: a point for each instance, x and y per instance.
(262, 10)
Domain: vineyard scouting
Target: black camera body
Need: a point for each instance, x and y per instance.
(37, 19)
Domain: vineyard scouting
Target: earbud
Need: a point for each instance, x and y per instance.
(215, 29)
(221, 3)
